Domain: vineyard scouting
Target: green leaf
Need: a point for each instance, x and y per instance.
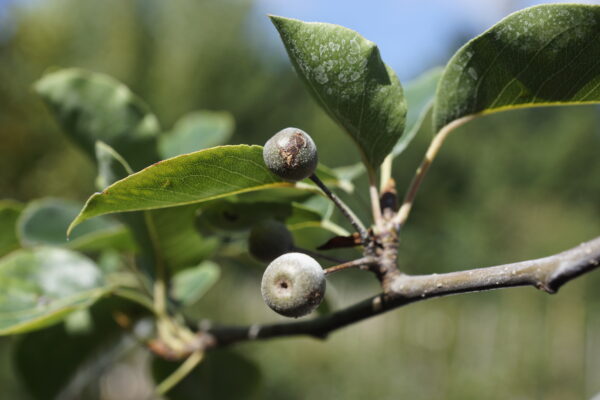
(45, 222)
(178, 241)
(9, 213)
(224, 374)
(196, 131)
(420, 94)
(91, 106)
(345, 74)
(186, 179)
(233, 214)
(41, 287)
(189, 285)
(540, 56)
(111, 166)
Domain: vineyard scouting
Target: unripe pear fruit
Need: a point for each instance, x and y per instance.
(293, 285)
(269, 239)
(291, 154)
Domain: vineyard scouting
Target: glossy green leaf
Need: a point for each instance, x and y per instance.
(543, 55)
(345, 74)
(9, 213)
(41, 287)
(91, 106)
(420, 94)
(196, 131)
(189, 285)
(186, 179)
(224, 374)
(45, 222)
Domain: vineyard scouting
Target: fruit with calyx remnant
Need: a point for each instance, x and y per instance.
(293, 285)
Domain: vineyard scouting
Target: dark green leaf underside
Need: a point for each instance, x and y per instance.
(543, 55)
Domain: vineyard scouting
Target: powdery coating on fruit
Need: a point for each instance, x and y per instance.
(293, 285)
(291, 154)
(269, 239)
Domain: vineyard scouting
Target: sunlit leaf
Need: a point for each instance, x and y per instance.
(186, 179)
(345, 74)
(419, 94)
(9, 213)
(45, 222)
(196, 131)
(189, 285)
(543, 55)
(41, 287)
(91, 106)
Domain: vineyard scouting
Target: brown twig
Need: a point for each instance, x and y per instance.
(361, 262)
(430, 155)
(548, 274)
(346, 211)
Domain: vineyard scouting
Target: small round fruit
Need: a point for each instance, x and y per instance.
(293, 285)
(291, 154)
(269, 239)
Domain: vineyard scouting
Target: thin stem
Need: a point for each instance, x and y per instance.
(346, 211)
(160, 284)
(181, 372)
(430, 155)
(315, 254)
(365, 261)
(374, 194)
(386, 171)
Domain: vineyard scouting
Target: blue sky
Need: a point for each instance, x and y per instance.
(411, 34)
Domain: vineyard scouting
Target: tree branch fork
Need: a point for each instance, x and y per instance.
(547, 273)
(380, 252)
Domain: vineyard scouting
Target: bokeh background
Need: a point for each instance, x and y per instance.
(506, 187)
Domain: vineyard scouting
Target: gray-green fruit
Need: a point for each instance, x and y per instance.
(269, 239)
(291, 154)
(293, 285)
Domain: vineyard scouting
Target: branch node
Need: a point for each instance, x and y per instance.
(546, 288)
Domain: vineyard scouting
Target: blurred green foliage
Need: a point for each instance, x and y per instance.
(505, 187)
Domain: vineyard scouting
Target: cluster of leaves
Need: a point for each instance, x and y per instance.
(170, 215)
